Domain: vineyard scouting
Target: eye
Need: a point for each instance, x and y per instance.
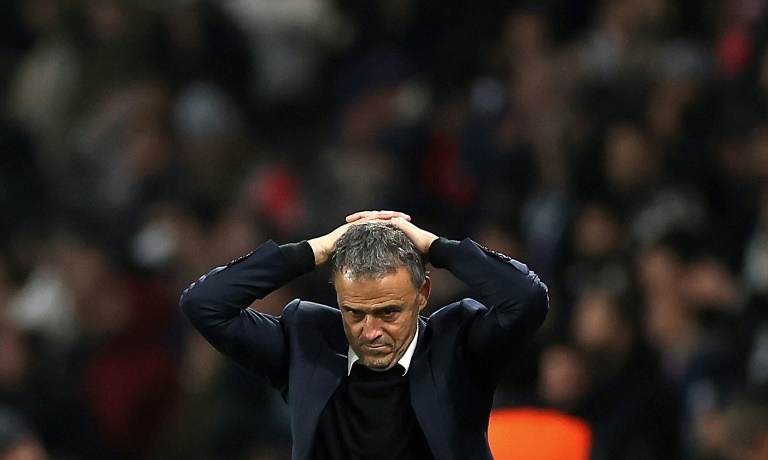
(388, 314)
(357, 315)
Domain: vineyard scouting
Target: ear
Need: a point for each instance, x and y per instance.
(424, 291)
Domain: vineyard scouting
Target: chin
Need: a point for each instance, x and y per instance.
(378, 365)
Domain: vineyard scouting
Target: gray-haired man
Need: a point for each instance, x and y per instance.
(373, 379)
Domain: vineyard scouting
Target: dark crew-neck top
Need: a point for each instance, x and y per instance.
(369, 416)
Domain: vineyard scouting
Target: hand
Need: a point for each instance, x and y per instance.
(323, 246)
(421, 239)
(364, 216)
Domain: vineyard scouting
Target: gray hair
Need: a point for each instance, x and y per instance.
(374, 250)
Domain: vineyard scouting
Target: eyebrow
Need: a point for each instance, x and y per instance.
(388, 307)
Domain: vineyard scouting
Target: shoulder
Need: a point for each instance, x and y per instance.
(311, 326)
(301, 311)
(449, 325)
(457, 313)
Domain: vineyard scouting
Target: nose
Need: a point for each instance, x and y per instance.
(371, 328)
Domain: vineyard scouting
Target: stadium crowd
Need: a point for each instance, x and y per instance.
(619, 147)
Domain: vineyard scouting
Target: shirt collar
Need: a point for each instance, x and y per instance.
(404, 361)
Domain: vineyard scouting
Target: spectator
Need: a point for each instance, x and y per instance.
(681, 286)
(593, 138)
(632, 414)
(17, 441)
(745, 421)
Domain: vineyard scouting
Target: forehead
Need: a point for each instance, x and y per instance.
(367, 291)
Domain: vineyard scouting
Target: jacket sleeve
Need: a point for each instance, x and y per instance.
(217, 306)
(516, 301)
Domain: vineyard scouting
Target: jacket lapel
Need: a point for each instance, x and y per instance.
(424, 398)
(330, 367)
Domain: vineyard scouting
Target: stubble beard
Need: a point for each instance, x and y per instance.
(376, 361)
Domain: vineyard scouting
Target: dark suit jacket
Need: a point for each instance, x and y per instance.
(462, 349)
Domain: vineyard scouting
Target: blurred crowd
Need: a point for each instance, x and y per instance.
(619, 147)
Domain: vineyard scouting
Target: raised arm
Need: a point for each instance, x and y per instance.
(217, 303)
(516, 300)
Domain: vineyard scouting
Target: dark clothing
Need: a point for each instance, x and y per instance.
(461, 353)
(370, 416)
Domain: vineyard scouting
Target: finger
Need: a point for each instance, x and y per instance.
(357, 216)
(400, 222)
(396, 214)
(377, 215)
(372, 218)
(361, 215)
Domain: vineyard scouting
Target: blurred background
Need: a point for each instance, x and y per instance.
(619, 147)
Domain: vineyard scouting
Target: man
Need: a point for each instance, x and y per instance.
(373, 379)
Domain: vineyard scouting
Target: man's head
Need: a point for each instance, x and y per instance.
(381, 286)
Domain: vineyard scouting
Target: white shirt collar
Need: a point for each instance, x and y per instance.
(404, 361)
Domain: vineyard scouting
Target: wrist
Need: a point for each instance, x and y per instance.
(319, 250)
(429, 242)
(441, 251)
(300, 256)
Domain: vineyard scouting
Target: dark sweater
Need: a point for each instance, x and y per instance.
(369, 416)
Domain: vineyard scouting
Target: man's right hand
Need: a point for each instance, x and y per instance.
(322, 246)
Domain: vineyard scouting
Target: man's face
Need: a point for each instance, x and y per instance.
(380, 315)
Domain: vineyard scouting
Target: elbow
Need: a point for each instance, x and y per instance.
(538, 302)
(194, 296)
(189, 303)
(187, 307)
(196, 309)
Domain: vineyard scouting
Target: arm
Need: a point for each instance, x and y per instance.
(517, 301)
(217, 304)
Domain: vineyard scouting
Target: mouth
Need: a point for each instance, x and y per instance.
(378, 347)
